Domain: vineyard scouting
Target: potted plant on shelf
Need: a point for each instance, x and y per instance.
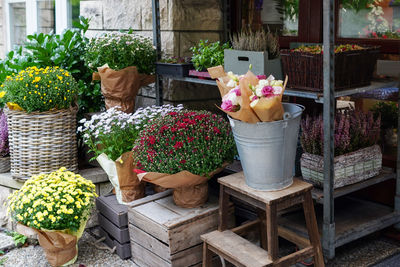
(5, 164)
(207, 55)
(56, 206)
(357, 156)
(354, 66)
(110, 136)
(124, 62)
(258, 49)
(174, 66)
(388, 112)
(41, 117)
(182, 150)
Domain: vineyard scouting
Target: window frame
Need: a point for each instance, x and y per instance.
(62, 18)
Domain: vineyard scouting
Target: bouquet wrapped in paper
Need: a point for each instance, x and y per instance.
(248, 97)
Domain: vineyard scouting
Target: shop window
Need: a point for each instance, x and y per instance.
(369, 19)
(279, 16)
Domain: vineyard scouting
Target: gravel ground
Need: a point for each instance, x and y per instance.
(361, 253)
(89, 255)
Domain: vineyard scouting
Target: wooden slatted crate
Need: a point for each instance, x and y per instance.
(163, 234)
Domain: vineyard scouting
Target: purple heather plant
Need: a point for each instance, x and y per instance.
(354, 130)
(4, 149)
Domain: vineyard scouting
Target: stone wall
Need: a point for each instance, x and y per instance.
(2, 30)
(183, 24)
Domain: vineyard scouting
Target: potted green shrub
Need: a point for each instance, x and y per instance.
(125, 62)
(258, 49)
(207, 55)
(357, 156)
(174, 66)
(388, 112)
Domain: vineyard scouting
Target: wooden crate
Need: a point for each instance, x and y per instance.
(163, 234)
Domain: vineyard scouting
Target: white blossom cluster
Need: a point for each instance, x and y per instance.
(114, 119)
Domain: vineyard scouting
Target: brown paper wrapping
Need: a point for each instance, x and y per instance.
(120, 88)
(129, 184)
(59, 248)
(266, 109)
(190, 190)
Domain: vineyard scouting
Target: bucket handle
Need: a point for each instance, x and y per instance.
(288, 115)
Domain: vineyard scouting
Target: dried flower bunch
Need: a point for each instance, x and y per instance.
(113, 132)
(4, 148)
(195, 141)
(354, 130)
(39, 89)
(259, 40)
(56, 201)
(120, 50)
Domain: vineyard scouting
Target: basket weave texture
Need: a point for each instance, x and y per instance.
(5, 164)
(352, 69)
(350, 168)
(42, 142)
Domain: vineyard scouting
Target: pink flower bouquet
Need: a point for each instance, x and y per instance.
(248, 97)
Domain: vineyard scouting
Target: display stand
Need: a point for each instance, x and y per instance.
(335, 233)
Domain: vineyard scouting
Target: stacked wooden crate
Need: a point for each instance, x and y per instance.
(113, 221)
(163, 234)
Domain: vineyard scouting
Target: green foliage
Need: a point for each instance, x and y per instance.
(120, 50)
(388, 111)
(3, 260)
(291, 9)
(206, 55)
(18, 238)
(357, 5)
(66, 51)
(41, 89)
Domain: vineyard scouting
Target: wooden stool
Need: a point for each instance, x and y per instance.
(241, 252)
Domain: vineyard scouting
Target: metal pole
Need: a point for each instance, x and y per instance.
(225, 20)
(397, 197)
(157, 44)
(328, 237)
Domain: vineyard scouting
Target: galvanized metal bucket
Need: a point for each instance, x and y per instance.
(267, 150)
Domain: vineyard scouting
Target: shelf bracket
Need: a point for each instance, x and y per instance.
(397, 197)
(157, 44)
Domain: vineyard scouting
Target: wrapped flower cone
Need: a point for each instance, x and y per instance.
(268, 109)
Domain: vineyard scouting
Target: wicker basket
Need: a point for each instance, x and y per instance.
(5, 164)
(352, 69)
(42, 141)
(349, 168)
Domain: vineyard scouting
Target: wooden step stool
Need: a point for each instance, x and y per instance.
(241, 252)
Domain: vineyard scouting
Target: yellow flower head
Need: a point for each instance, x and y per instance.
(2, 94)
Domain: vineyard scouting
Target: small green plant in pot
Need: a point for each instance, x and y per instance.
(125, 62)
(207, 55)
(388, 112)
(174, 66)
(258, 50)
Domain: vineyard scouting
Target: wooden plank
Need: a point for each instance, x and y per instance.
(144, 257)
(156, 212)
(237, 182)
(295, 257)
(236, 248)
(246, 227)
(272, 231)
(207, 256)
(386, 174)
(150, 198)
(120, 234)
(223, 209)
(239, 195)
(293, 237)
(112, 210)
(149, 242)
(354, 218)
(143, 222)
(122, 250)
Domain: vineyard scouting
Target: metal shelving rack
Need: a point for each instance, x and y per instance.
(357, 218)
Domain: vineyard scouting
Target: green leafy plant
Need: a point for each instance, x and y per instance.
(206, 55)
(195, 141)
(120, 50)
(18, 238)
(357, 5)
(176, 60)
(388, 112)
(43, 89)
(66, 51)
(259, 40)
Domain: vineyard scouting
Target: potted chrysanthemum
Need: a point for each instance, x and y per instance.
(182, 150)
(56, 206)
(4, 148)
(110, 135)
(125, 62)
(41, 116)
